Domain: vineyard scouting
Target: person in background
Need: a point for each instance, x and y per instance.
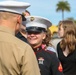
(22, 33)
(16, 57)
(55, 38)
(55, 41)
(66, 48)
(26, 13)
(47, 43)
(36, 29)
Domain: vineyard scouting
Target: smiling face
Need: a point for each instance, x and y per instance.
(35, 38)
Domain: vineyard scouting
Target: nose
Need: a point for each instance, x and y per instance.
(32, 34)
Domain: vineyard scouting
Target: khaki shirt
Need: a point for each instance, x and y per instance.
(16, 57)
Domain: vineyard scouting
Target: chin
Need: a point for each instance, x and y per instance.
(32, 43)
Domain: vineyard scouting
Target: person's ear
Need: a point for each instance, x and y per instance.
(19, 19)
(44, 35)
(18, 23)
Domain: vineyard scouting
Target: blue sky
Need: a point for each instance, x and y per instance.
(47, 9)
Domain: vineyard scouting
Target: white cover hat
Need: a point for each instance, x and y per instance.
(37, 21)
(13, 6)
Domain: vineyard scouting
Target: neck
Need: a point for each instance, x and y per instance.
(35, 46)
(8, 24)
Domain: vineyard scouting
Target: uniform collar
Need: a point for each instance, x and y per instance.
(41, 47)
(7, 30)
(37, 49)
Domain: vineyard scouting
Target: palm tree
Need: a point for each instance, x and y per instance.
(63, 6)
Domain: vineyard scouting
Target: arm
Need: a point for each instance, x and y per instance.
(56, 66)
(30, 65)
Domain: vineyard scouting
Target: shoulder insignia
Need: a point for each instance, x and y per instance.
(60, 67)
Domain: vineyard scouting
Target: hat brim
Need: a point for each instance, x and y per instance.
(35, 29)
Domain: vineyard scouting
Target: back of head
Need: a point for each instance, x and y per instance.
(13, 7)
(7, 16)
(11, 13)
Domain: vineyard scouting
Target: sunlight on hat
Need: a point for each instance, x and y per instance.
(13, 6)
(37, 21)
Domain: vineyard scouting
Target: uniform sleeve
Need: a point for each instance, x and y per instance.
(29, 65)
(56, 66)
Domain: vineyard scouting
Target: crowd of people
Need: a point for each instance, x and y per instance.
(25, 47)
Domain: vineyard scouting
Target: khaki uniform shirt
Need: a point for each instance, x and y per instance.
(16, 57)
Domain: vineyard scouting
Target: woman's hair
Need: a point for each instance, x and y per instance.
(46, 41)
(69, 37)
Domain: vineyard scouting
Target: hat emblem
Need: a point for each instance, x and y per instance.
(23, 14)
(32, 18)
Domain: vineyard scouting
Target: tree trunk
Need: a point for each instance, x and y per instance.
(62, 15)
